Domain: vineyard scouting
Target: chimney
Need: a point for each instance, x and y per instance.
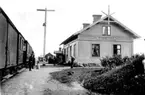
(96, 17)
(85, 25)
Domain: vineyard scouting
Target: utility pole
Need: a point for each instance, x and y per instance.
(44, 24)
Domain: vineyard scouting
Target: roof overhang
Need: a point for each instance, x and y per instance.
(71, 38)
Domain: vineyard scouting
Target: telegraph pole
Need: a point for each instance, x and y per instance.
(44, 24)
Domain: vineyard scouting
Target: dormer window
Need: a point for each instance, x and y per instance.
(106, 30)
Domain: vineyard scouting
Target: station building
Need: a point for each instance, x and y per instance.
(104, 37)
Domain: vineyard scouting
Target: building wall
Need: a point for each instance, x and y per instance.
(106, 49)
(94, 36)
(71, 53)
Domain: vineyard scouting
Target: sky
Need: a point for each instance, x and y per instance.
(68, 18)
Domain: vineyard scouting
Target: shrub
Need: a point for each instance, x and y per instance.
(136, 85)
(111, 62)
(121, 80)
(126, 59)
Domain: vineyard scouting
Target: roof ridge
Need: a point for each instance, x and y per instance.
(102, 20)
(89, 26)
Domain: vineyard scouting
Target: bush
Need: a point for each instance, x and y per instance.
(121, 80)
(111, 62)
(126, 59)
(136, 85)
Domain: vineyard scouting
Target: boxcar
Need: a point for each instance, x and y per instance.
(14, 49)
(3, 40)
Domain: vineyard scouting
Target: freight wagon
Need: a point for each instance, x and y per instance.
(14, 48)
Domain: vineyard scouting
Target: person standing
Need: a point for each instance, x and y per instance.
(30, 62)
(33, 61)
(72, 61)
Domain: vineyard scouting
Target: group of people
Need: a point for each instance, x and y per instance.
(31, 62)
(58, 61)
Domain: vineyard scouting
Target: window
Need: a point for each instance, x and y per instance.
(70, 51)
(24, 45)
(95, 50)
(64, 52)
(74, 50)
(106, 30)
(67, 52)
(117, 49)
(20, 42)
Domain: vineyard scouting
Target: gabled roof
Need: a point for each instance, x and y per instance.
(48, 54)
(101, 20)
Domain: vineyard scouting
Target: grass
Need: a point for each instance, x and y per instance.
(127, 79)
(76, 74)
(107, 81)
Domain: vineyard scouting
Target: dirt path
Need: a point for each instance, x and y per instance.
(39, 82)
(56, 88)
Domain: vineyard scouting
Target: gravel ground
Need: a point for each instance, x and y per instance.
(39, 82)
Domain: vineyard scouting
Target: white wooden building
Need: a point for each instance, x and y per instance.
(104, 37)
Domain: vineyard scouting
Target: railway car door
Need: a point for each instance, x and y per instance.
(25, 53)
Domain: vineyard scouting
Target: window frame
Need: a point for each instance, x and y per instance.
(103, 32)
(74, 50)
(64, 51)
(20, 42)
(70, 51)
(116, 50)
(97, 49)
(67, 51)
